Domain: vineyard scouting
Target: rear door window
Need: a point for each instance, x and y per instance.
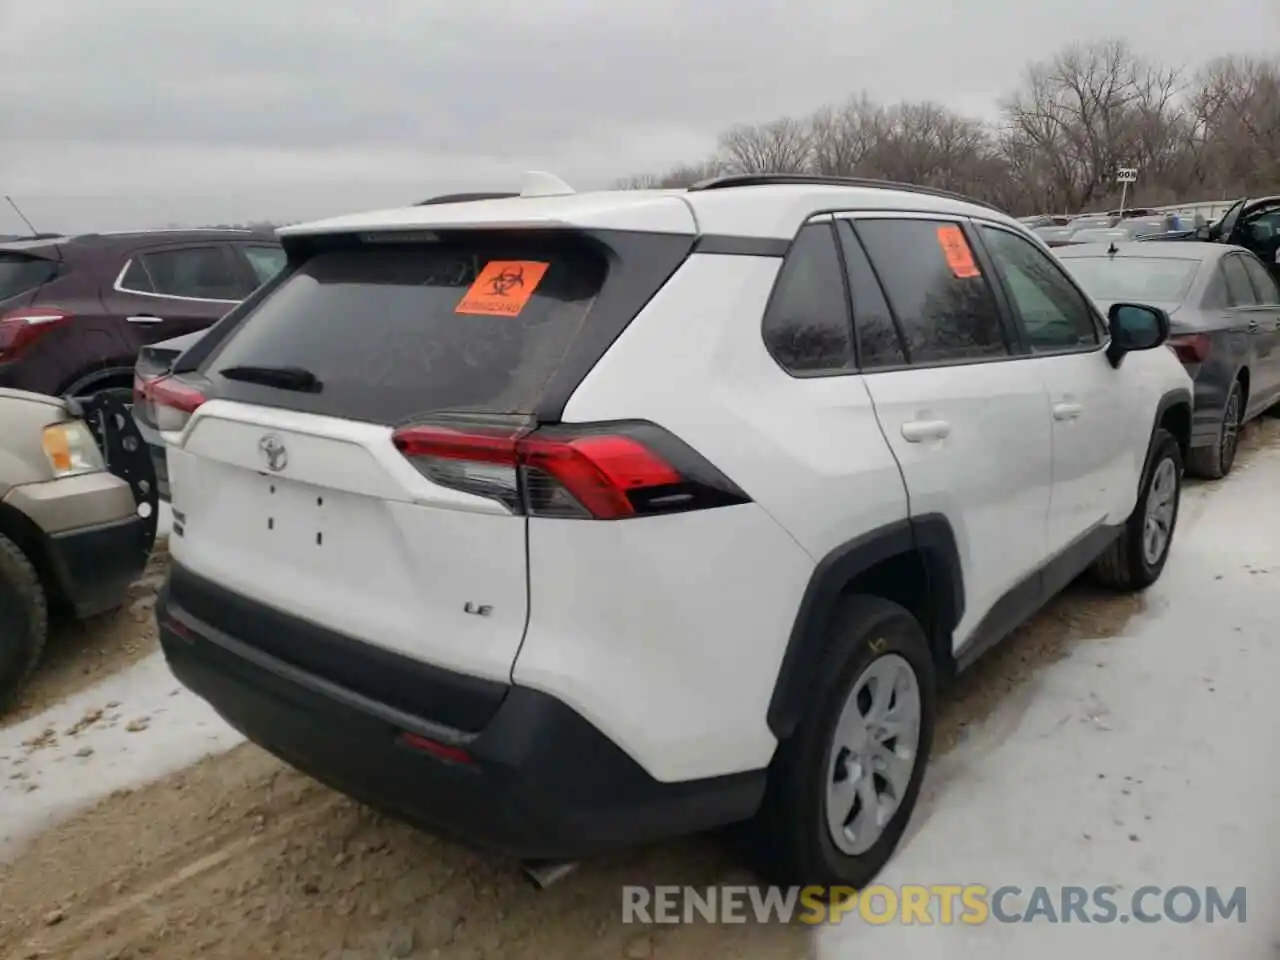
(937, 290)
(20, 273)
(1239, 289)
(479, 324)
(195, 273)
(1263, 285)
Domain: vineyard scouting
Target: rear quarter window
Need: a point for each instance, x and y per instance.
(392, 330)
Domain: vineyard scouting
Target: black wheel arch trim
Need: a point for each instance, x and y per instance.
(929, 537)
(1171, 399)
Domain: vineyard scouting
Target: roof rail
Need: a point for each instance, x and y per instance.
(777, 179)
(28, 238)
(464, 198)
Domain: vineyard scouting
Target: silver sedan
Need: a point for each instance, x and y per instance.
(1224, 308)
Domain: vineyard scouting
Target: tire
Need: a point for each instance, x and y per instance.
(789, 841)
(1125, 564)
(1215, 462)
(24, 619)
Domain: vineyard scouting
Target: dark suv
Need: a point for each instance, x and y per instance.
(75, 311)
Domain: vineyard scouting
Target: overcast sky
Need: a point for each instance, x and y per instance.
(124, 113)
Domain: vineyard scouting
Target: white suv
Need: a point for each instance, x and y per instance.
(564, 522)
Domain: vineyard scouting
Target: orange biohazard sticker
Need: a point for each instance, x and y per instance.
(956, 249)
(502, 288)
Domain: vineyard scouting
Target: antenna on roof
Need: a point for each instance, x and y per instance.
(540, 184)
(23, 216)
(35, 234)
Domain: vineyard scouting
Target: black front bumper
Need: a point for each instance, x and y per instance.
(543, 783)
(94, 566)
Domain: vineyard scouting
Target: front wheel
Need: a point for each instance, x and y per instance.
(842, 787)
(24, 620)
(1137, 557)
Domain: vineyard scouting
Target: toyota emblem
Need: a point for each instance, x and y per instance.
(273, 452)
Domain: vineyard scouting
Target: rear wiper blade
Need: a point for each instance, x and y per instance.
(285, 378)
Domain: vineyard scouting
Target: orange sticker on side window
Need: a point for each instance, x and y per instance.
(956, 249)
(502, 288)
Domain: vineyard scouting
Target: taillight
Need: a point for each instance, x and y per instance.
(1191, 347)
(599, 472)
(22, 329)
(169, 402)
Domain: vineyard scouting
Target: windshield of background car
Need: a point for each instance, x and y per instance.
(1133, 279)
(479, 324)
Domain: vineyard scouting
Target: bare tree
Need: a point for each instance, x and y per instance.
(781, 146)
(1238, 102)
(842, 138)
(1075, 119)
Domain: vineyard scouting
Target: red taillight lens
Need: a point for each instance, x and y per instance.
(598, 473)
(1191, 348)
(22, 329)
(168, 402)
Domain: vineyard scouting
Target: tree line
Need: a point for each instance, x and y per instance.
(1194, 134)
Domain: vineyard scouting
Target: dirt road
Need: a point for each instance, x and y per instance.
(240, 857)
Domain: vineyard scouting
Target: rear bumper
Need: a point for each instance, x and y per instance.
(543, 782)
(94, 566)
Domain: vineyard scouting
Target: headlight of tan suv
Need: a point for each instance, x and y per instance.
(71, 449)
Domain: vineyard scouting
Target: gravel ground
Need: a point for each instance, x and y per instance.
(240, 857)
(78, 654)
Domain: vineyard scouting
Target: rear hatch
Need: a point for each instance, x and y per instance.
(293, 482)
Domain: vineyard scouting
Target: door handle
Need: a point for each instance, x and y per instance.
(1066, 411)
(1253, 326)
(917, 431)
(145, 318)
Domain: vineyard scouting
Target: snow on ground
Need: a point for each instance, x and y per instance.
(134, 727)
(1144, 759)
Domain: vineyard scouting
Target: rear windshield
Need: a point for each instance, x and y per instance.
(392, 330)
(1140, 279)
(20, 273)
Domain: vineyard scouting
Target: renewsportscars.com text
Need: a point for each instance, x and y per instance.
(927, 905)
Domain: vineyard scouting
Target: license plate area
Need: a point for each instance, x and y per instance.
(294, 515)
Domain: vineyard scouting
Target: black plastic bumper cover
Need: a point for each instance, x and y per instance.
(94, 566)
(545, 783)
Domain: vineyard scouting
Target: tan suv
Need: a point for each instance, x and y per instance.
(77, 517)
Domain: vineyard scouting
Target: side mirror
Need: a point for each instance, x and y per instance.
(1135, 326)
(1203, 233)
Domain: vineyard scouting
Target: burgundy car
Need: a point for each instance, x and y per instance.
(75, 311)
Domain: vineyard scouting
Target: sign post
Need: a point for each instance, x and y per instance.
(1125, 176)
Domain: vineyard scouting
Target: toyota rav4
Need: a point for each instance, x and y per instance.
(563, 522)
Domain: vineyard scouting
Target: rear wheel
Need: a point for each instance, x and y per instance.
(842, 787)
(24, 619)
(1137, 557)
(1215, 462)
